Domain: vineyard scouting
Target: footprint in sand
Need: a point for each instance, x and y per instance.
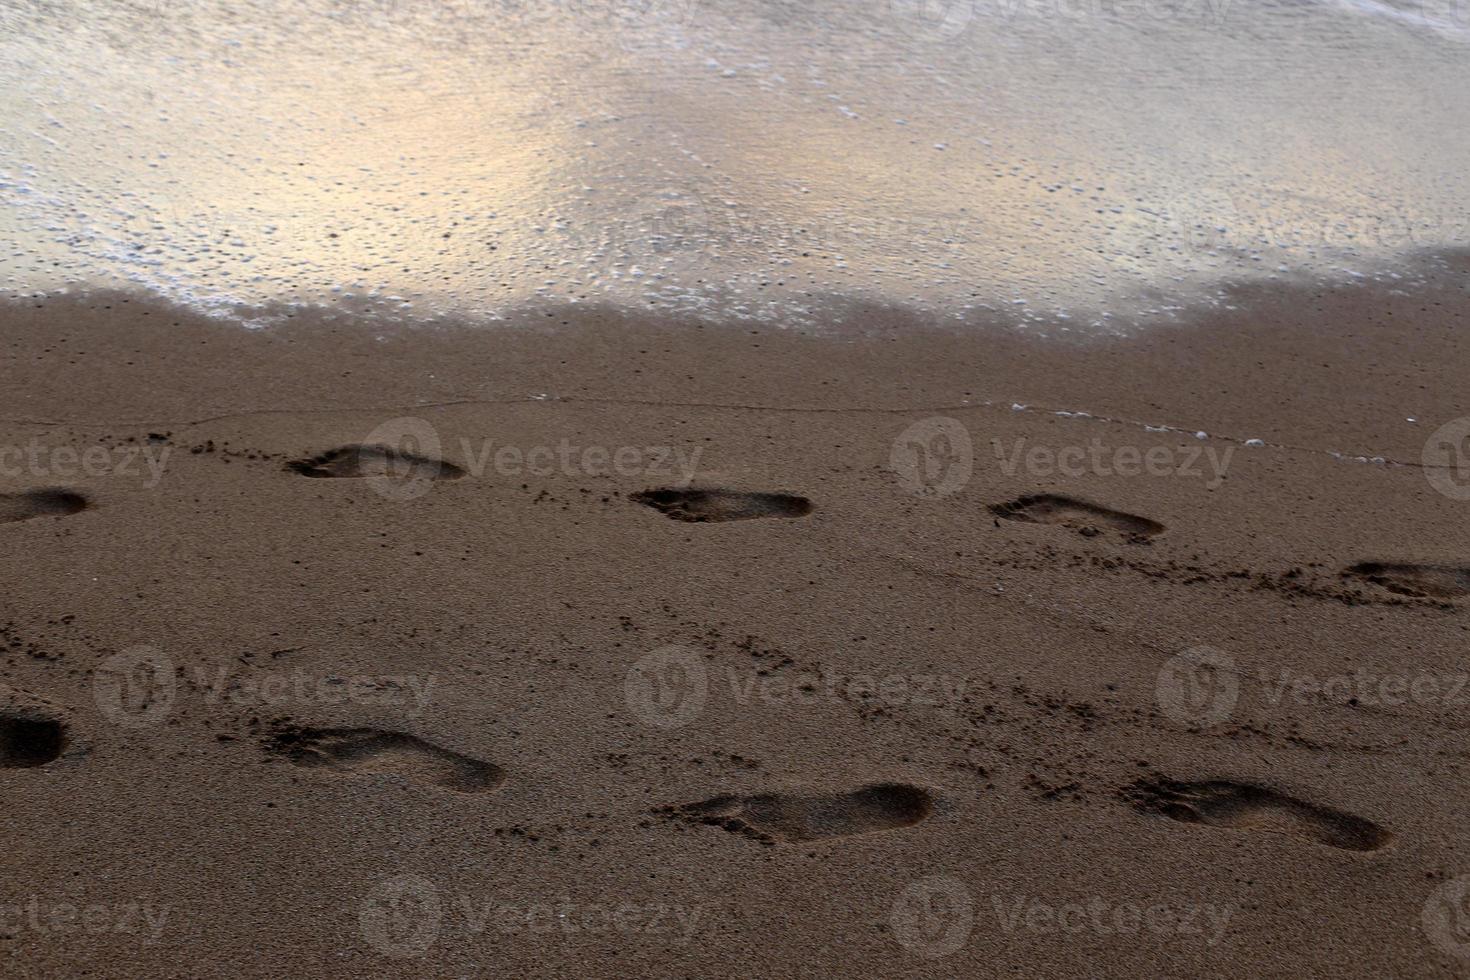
(371, 750)
(28, 740)
(50, 502)
(1079, 515)
(722, 505)
(1419, 581)
(777, 818)
(1240, 806)
(357, 462)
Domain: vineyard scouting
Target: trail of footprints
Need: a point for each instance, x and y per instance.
(1415, 581)
(709, 506)
(361, 462)
(45, 502)
(717, 505)
(794, 818)
(378, 752)
(1085, 518)
(1242, 806)
(28, 740)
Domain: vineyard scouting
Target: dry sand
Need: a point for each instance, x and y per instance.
(280, 706)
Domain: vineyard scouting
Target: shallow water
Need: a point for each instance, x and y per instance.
(740, 160)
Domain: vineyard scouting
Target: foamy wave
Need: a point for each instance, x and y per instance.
(1448, 18)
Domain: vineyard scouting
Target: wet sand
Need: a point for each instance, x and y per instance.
(510, 695)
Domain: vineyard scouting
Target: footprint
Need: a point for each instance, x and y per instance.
(1240, 806)
(722, 505)
(1087, 519)
(51, 501)
(1420, 581)
(777, 818)
(370, 750)
(353, 462)
(28, 740)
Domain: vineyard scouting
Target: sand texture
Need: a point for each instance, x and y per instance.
(593, 646)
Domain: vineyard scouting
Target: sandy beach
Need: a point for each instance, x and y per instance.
(686, 489)
(597, 644)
